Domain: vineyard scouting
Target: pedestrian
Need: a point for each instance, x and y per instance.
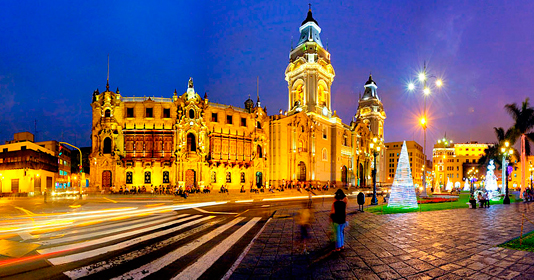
(304, 221)
(486, 199)
(338, 215)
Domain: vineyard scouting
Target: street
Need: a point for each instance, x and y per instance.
(127, 237)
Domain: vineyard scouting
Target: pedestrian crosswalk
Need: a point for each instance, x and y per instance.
(188, 244)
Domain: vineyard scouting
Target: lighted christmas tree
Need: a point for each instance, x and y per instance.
(402, 190)
(449, 185)
(491, 179)
(467, 187)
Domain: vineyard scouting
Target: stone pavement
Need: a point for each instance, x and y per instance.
(448, 244)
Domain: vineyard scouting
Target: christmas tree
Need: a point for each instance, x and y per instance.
(402, 190)
(491, 179)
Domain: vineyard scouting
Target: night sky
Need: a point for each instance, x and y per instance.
(53, 55)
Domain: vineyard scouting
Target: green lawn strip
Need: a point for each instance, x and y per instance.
(526, 245)
(460, 203)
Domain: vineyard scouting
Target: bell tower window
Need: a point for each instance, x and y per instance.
(107, 113)
(191, 114)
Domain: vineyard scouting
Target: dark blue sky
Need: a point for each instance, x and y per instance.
(53, 54)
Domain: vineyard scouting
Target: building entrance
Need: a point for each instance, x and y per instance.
(259, 179)
(106, 180)
(190, 178)
(344, 175)
(301, 172)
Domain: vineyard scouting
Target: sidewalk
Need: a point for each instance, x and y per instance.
(447, 244)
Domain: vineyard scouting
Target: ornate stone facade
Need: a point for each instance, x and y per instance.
(180, 141)
(187, 140)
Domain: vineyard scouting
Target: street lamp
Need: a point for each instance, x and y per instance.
(423, 124)
(423, 77)
(375, 147)
(506, 151)
(472, 174)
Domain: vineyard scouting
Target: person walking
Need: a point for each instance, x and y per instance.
(338, 215)
(304, 220)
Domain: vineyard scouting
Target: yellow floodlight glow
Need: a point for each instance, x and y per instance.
(423, 121)
(506, 144)
(426, 91)
(439, 83)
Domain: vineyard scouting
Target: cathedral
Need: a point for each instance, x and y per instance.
(186, 140)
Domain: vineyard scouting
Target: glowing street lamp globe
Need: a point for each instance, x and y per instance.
(426, 91)
(411, 86)
(439, 83)
(422, 76)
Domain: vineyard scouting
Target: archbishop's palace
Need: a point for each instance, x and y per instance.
(186, 140)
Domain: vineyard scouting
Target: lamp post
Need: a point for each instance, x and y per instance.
(375, 147)
(423, 77)
(506, 151)
(472, 175)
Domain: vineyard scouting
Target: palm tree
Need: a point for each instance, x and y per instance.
(523, 124)
(493, 151)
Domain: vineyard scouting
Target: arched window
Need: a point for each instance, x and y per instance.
(228, 177)
(129, 177)
(321, 92)
(325, 154)
(107, 113)
(260, 155)
(191, 114)
(214, 176)
(107, 146)
(258, 125)
(148, 177)
(191, 143)
(242, 177)
(165, 177)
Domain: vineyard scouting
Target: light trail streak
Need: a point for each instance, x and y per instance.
(54, 222)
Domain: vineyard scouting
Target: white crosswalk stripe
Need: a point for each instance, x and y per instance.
(103, 265)
(110, 238)
(173, 256)
(152, 246)
(201, 265)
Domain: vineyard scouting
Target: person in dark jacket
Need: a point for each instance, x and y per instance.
(338, 214)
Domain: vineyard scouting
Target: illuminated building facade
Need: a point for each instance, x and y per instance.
(452, 161)
(309, 142)
(415, 154)
(180, 141)
(188, 141)
(30, 168)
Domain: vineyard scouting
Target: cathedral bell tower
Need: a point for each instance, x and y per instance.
(371, 110)
(309, 74)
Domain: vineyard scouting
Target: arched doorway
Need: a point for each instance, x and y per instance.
(361, 177)
(259, 179)
(301, 175)
(344, 175)
(190, 178)
(106, 180)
